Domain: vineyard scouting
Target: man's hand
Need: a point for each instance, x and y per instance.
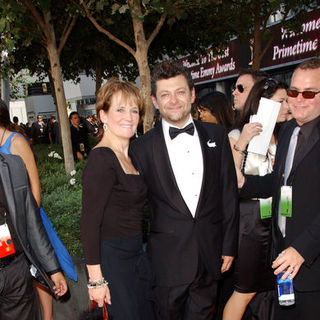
(60, 284)
(290, 261)
(227, 263)
(79, 156)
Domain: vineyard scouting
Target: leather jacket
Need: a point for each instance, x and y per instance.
(26, 218)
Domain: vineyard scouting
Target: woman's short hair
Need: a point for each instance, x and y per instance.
(128, 90)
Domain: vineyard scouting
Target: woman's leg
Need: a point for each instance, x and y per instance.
(237, 305)
(45, 298)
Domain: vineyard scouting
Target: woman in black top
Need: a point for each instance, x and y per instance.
(113, 198)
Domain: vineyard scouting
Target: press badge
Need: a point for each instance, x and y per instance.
(6, 243)
(286, 201)
(265, 208)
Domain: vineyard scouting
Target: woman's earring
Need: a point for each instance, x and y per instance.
(105, 127)
(136, 133)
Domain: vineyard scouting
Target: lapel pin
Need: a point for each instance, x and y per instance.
(211, 144)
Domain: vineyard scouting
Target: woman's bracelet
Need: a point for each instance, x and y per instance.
(243, 152)
(96, 284)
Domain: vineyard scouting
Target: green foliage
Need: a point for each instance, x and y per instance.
(61, 200)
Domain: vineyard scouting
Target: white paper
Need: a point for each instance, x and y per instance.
(267, 115)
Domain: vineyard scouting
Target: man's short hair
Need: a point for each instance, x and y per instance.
(169, 69)
(313, 63)
(15, 119)
(256, 75)
(72, 113)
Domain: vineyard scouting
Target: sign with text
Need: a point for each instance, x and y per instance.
(227, 63)
(286, 47)
(289, 46)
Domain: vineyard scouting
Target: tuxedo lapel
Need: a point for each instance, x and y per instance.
(165, 172)
(208, 163)
(305, 149)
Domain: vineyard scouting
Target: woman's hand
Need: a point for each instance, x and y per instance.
(100, 295)
(249, 131)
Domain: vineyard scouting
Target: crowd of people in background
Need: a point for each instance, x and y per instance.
(213, 252)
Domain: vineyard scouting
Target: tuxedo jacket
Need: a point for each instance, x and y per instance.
(37, 135)
(25, 217)
(177, 240)
(303, 228)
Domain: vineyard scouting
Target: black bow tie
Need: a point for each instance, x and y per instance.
(173, 132)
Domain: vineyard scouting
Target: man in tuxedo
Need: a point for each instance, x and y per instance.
(190, 174)
(296, 231)
(38, 131)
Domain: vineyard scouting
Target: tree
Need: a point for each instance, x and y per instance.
(248, 20)
(107, 59)
(147, 17)
(34, 22)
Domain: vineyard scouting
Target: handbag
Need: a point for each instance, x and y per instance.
(95, 313)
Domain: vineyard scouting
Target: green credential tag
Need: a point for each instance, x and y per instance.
(286, 201)
(265, 208)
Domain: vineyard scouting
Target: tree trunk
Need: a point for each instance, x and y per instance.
(61, 100)
(257, 48)
(257, 36)
(145, 81)
(99, 72)
(53, 93)
(141, 57)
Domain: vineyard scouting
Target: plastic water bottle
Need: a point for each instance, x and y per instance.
(285, 291)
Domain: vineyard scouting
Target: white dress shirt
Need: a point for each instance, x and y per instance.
(187, 163)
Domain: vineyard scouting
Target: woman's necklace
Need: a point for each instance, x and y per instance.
(4, 131)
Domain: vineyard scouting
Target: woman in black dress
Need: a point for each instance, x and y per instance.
(111, 220)
(253, 272)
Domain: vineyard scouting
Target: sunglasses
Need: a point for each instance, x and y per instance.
(305, 94)
(239, 87)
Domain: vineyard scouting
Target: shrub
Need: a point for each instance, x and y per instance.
(60, 200)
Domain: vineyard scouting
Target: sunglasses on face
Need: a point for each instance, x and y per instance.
(305, 94)
(239, 87)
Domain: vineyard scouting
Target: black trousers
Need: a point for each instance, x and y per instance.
(307, 307)
(193, 301)
(17, 293)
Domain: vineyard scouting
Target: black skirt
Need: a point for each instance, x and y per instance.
(253, 272)
(126, 267)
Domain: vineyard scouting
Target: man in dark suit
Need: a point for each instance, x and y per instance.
(54, 131)
(190, 174)
(38, 131)
(296, 233)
